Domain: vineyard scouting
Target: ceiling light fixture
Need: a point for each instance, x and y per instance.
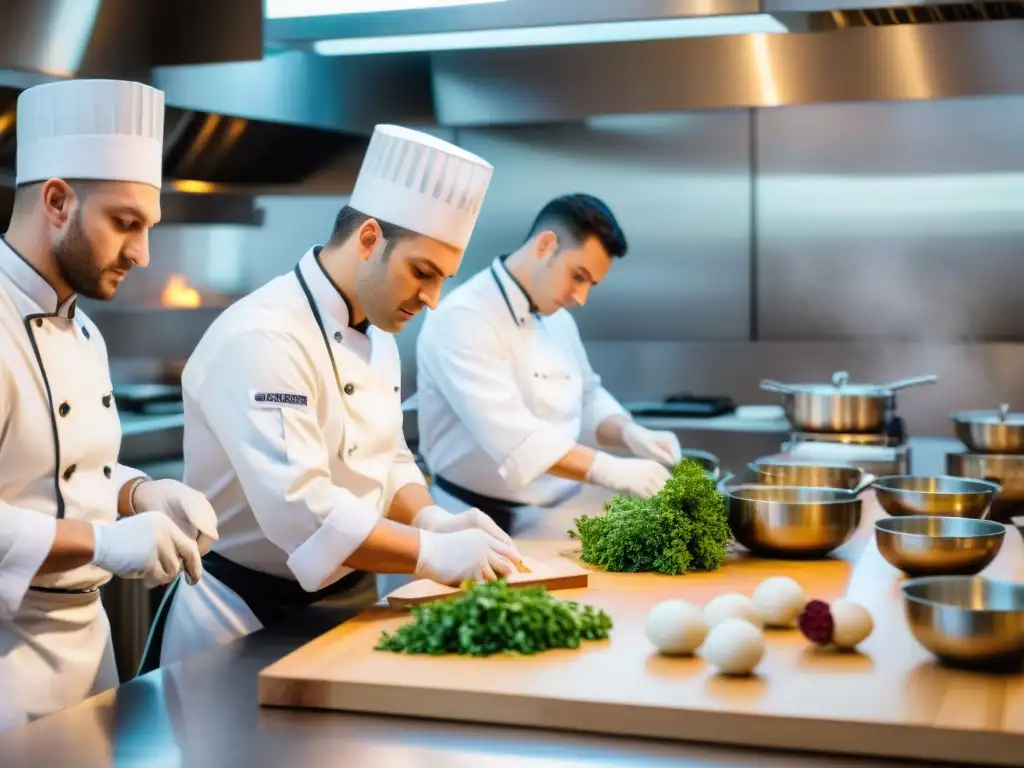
(570, 34)
(304, 9)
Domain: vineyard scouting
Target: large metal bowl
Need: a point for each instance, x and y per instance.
(935, 495)
(790, 522)
(927, 545)
(967, 620)
(796, 473)
(996, 431)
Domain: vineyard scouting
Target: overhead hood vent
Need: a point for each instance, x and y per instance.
(237, 115)
(918, 14)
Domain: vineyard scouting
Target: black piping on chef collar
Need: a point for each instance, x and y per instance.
(65, 309)
(532, 308)
(362, 327)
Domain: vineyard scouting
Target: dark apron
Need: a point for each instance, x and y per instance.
(270, 598)
(500, 511)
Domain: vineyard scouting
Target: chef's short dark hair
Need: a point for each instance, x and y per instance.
(580, 216)
(349, 220)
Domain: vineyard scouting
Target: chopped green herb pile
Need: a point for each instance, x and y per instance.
(683, 527)
(493, 617)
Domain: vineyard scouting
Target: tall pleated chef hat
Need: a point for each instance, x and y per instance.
(422, 183)
(108, 130)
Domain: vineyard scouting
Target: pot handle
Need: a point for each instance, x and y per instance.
(911, 382)
(866, 481)
(723, 480)
(770, 385)
(1004, 408)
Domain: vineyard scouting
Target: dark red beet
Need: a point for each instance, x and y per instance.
(816, 622)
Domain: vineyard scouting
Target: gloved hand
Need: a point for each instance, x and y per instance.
(662, 447)
(185, 506)
(441, 521)
(452, 558)
(148, 545)
(638, 477)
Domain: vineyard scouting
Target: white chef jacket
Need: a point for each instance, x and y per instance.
(60, 435)
(504, 393)
(300, 455)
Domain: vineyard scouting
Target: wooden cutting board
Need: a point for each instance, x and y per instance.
(554, 574)
(889, 699)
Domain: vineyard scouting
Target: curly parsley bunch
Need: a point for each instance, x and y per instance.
(489, 618)
(683, 527)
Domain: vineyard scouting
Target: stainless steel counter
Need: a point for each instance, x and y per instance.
(203, 712)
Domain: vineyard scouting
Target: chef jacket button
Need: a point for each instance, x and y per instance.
(106, 401)
(107, 472)
(39, 322)
(64, 409)
(337, 336)
(70, 471)
(349, 388)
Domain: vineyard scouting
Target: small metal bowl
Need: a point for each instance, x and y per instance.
(795, 473)
(791, 522)
(967, 620)
(929, 545)
(935, 495)
(708, 461)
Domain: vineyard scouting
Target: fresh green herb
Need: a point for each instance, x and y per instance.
(684, 527)
(489, 618)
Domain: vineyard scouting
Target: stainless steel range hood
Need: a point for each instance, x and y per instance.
(514, 61)
(238, 116)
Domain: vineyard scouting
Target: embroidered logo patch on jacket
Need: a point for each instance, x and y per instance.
(279, 400)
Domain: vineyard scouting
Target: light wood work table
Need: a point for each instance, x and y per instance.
(891, 699)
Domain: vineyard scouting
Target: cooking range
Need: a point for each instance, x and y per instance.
(848, 423)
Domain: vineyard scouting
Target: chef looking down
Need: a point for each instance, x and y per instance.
(505, 391)
(89, 163)
(293, 420)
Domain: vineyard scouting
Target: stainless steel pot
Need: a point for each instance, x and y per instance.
(841, 406)
(1006, 470)
(991, 431)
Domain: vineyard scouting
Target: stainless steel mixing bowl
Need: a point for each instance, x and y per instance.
(928, 545)
(967, 620)
(784, 521)
(935, 495)
(796, 473)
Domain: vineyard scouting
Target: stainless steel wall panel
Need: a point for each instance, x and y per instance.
(680, 187)
(891, 221)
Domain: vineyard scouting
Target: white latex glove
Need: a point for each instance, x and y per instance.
(148, 545)
(185, 506)
(662, 447)
(452, 558)
(638, 477)
(438, 520)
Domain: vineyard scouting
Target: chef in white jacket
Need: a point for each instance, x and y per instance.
(506, 395)
(293, 421)
(88, 189)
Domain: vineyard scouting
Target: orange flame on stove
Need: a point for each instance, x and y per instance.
(178, 294)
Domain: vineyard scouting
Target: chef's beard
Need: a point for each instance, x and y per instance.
(76, 261)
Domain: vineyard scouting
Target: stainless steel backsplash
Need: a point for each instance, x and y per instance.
(886, 239)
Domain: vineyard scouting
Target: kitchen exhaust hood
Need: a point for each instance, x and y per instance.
(239, 117)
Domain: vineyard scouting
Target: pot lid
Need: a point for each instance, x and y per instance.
(840, 386)
(1002, 415)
